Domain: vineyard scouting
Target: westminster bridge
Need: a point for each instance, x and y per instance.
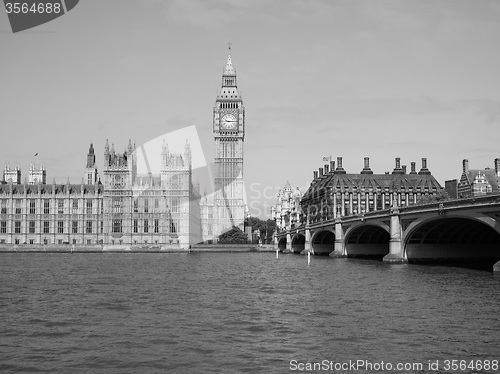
(463, 231)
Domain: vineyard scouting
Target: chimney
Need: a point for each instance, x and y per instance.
(366, 167)
(326, 169)
(332, 166)
(315, 173)
(424, 169)
(497, 167)
(404, 169)
(465, 166)
(413, 166)
(397, 168)
(320, 172)
(339, 169)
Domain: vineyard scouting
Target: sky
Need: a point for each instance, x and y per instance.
(375, 78)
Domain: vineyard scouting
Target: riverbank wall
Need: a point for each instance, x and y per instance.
(135, 249)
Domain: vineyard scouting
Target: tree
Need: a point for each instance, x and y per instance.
(428, 199)
(233, 236)
(265, 228)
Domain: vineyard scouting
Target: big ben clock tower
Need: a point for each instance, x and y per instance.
(229, 133)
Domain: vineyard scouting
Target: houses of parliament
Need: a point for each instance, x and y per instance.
(119, 207)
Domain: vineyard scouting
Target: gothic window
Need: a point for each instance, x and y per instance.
(174, 224)
(175, 182)
(17, 227)
(175, 204)
(74, 227)
(117, 225)
(32, 227)
(89, 227)
(146, 206)
(118, 181)
(60, 227)
(60, 207)
(3, 227)
(46, 207)
(146, 226)
(136, 226)
(4, 207)
(18, 206)
(32, 206)
(117, 207)
(157, 225)
(136, 206)
(89, 206)
(46, 227)
(75, 206)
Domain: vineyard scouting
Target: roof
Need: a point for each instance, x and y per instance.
(229, 69)
(489, 175)
(45, 189)
(351, 182)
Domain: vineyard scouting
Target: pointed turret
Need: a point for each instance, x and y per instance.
(187, 152)
(164, 148)
(129, 147)
(164, 154)
(229, 69)
(229, 74)
(91, 157)
(90, 175)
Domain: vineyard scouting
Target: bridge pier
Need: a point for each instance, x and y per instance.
(338, 245)
(396, 253)
(496, 267)
(308, 245)
(288, 242)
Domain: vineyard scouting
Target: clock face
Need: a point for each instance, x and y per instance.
(228, 122)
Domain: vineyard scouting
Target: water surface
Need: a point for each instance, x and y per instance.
(237, 313)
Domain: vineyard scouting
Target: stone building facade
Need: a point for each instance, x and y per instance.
(478, 182)
(334, 192)
(123, 209)
(287, 208)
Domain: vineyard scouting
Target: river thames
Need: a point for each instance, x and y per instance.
(242, 313)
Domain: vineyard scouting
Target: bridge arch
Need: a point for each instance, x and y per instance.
(298, 243)
(282, 244)
(466, 239)
(367, 240)
(323, 242)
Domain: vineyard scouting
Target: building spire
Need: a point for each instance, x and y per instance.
(229, 69)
